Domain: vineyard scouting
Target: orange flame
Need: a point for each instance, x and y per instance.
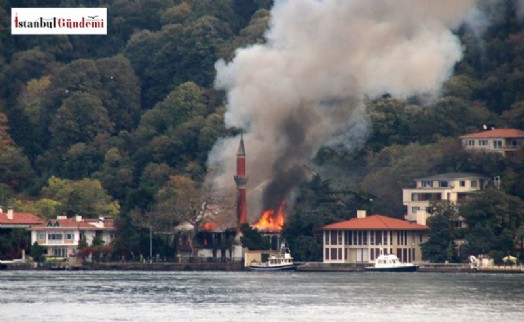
(271, 221)
(210, 226)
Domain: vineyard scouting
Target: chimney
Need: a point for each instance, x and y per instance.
(241, 181)
(361, 214)
(10, 213)
(78, 218)
(1, 209)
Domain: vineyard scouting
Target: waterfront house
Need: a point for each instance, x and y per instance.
(60, 237)
(502, 141)
(360, 240)
(457, 187)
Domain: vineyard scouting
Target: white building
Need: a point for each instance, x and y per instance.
(503, 141)
(456, 187)
(361, 239)
(60, 237)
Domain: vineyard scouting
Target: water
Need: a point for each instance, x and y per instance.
(257, 296)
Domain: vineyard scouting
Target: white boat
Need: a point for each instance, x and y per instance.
(281, 261)
(391, 263)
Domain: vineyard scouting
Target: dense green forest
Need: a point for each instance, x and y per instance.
(102, 124)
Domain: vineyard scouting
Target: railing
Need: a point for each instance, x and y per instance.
(54, 242)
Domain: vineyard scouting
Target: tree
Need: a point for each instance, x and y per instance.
(80, 119)
(116, 173)
(47, 208)
(252, 239)
(494, 219)
(120, 91)
(37, 252)
(86, 197)
(440, 246)
(15, 169)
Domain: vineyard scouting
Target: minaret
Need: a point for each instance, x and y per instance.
(241, 181)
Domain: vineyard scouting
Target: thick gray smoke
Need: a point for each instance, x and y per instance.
(302, 89)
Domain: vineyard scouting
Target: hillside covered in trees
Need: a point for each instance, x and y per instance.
(117, 124)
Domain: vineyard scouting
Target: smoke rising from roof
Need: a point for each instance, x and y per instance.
(303, 88)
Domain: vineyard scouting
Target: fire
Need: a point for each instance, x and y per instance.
(271, 221)
(211, 226)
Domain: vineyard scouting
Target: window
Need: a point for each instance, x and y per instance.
(41, 235)
(339, 237)
(349, 238)
(69, 235)
(326, 237)
(333, 253)
(443, 184)
(515, 143)
(372, 237)
(402, 237)
(473, 183)
(61, 252)
(426, 196)
(414, 210)
(462, 183)
(364, 237)
(427, 184)
(470, 142)
(333, 239)
(497, 144)
(483, 142)
(54, 236)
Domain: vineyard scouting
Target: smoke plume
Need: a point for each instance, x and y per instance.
(303, 88)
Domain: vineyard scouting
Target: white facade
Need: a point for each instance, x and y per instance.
(455, 187)
(61, 236)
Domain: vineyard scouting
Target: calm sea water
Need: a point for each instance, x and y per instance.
(255, 296)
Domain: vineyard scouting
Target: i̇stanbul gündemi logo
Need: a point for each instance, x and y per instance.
(59, 21)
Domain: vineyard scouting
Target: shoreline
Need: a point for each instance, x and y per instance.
(238, 266)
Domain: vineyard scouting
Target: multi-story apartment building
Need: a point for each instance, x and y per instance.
(503, 141)
(60, 237)
(456, 187)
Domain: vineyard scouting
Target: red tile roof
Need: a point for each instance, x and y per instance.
(495, 133)
(374, 222)
(20, 218)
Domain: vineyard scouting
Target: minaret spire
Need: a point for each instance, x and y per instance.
(241, 149)
(241, 181)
